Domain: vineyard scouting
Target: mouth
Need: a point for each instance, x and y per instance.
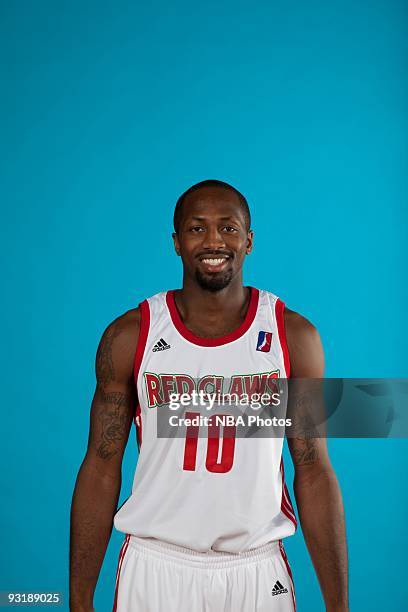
(214, 264)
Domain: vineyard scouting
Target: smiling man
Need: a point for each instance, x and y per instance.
(205, 523)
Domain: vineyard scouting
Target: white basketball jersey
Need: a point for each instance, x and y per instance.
(200, 493)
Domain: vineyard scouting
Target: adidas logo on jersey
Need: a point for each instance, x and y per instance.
(279, 589)
(161, 345)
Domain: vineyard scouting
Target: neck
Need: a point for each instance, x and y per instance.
(192, 296)
(215, 313)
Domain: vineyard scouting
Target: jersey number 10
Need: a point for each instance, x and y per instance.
(214, 462)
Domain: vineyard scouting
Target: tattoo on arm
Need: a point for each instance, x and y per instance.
(305, 451)
(304, 430)
(113, 416)
(104, 363)
(112, 409)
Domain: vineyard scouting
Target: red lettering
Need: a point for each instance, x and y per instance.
(204, 382)
(184, 384)
(236, 386)
(167, 381)
(190, 449)
(153, 390)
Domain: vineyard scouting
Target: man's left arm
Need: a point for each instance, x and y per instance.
(317, 491)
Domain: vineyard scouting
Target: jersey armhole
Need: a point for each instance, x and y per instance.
(280, 321)
(140, 350)
(141, 342)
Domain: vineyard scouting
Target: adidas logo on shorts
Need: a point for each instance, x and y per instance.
(161, 345)
(279, 589)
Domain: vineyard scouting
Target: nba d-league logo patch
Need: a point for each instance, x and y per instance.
(264, 341)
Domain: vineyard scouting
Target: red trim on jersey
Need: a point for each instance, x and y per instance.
(200, 341)
(138, 424)
(140, 349)
(280, 320)
(285, 559)
(143, 333)
(286, 504)
(122, 553)
(286, 510)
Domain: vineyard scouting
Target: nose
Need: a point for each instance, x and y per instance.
(213, 238)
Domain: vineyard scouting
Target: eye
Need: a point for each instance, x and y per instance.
(196, 228)
(229, 229)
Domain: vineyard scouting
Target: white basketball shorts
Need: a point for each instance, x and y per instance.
(154, 576)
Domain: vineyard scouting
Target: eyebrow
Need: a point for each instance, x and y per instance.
(221, 218)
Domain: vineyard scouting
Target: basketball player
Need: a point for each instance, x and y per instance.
(205, 523)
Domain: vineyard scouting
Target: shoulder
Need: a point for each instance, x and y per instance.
(298, 327)
(304, 345)
(117, 347)
(126, 326)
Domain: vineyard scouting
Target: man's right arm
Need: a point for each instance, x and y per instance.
(98, 483)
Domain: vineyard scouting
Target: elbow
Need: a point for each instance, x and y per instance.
(314, 476)
(105, 473)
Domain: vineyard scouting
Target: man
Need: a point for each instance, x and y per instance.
(205, 521)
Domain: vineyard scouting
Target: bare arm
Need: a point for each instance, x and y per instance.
(98, 483)
(317, 492)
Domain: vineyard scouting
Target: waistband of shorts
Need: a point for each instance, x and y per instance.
(204, 560)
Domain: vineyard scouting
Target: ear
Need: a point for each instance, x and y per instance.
(176, 243)
(250, 242)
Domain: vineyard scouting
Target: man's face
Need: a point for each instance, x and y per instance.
(213, 238)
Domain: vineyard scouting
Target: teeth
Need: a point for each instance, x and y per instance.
(214, 262)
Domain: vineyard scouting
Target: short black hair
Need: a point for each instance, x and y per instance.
(210, 183)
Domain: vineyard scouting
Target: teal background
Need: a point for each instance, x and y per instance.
(111, 110)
